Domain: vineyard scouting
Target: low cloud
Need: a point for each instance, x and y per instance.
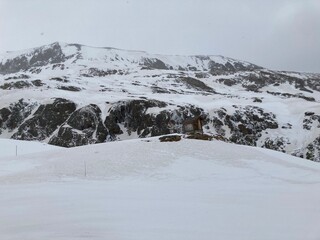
(278, 34)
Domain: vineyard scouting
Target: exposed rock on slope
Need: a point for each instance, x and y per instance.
(75, 95)
(12, 116)
(38, 57)
(84, 126)
(45, 120)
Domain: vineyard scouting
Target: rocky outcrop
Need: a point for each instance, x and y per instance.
(311, 120)
(39, 57)
(153, 63)
(12, 116)
(277, 144)
(245, 124)
(45, 120)
(69, 88)
(4, 116)
(313, 150)
(16, 85)
(84, 126)
(195, 84)
(64, 125)
(310, 152)
(216, 68)
(95, 72)
(134, 117)
(288, 95)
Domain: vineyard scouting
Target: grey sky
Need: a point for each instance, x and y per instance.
(278, 34)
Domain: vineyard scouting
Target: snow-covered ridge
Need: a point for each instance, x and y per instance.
(63, 52)
(71, 94)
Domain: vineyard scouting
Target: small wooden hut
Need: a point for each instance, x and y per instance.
(193, 125)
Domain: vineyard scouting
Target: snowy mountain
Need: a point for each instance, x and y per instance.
(146, 189)
(71, 95)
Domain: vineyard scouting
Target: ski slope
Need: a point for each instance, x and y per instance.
(144, 189)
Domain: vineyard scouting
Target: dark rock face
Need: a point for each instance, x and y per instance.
(170, 138)
(70, 88)
(154, 63)
(84, 126)
(11, 117)
(37, 83)
(228, 82)
(16, 85)
(40, 57)
(311, 120)
(95, 72)
(259, 78)
(14, 65)
(132, 114)
(219, 68)
(20, 76)
(156, 89)
(195, 84)
(21, 84)
(59, 79)
(68, 137)
(201, 75)
(145, 118)
(45, 120)
(289, 95)
(58, 66)
(218, 125)
(4, 115)
(134, 118)
(277, 144)
(314, 84)
(313, 150)
(245, 124)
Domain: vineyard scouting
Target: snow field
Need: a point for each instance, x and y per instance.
(144, 189)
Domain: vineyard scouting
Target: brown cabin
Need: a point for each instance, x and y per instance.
(193, 125)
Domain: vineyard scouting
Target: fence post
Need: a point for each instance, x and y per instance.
(85, 168)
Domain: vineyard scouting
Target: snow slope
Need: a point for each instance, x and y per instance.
(144, 189)
(10, 147)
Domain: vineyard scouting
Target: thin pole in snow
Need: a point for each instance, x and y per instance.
(16, 150)
(85, 168)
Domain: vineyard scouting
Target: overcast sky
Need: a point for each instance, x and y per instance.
(278, 34)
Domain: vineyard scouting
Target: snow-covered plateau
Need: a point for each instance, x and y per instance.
(146, 189)
(71, 95)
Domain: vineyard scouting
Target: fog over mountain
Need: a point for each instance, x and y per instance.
(279, 35)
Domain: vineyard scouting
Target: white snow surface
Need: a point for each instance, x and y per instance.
(10, 147)
(144, 189)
